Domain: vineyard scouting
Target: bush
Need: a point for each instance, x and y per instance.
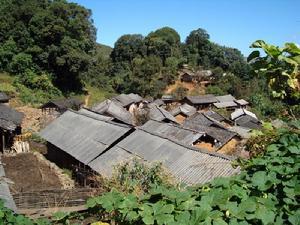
(20, 63)
(137, 177)
(214, 89)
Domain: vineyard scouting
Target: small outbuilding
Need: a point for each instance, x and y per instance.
(201, 101)
(183, 111)
(61, 105)
(10, 126)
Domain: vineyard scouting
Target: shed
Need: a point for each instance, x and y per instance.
(248, 122)
(222, 105)
(82, 136)
(159, 114)
(10, 125)
(126, 100)
(158, 102)
(187, 76)
(240, 112)
(113, 109)
(219, 134)
(4, 98)
(185, 109)
(61, 105)
(168, 99)
(187, 164)
(200, 101)
(242, 102)
(225, 98)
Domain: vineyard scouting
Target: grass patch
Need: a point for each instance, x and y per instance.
(97, 95)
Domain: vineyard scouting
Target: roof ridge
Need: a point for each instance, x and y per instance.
(105, 121)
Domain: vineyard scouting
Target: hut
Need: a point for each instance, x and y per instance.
(187, 76)
(167, 99)
(61, 105)
(242, 103)
(186, 164)
(76, 138)
(217, 134)
(4, 98)
(225, 101)
(159, 114)
(113, 108)
(182, 112)
(245, 118)
(126, 100)
(201, 101)
(10, 126)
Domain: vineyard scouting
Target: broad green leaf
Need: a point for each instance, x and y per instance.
(253, 55)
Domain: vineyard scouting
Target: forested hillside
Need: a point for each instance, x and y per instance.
(53, 42)
(50, 49)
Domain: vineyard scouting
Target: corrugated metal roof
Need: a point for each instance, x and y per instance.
(127, 99)
(82, 136)
(214, 115)
(187, 164)
(185, 109)
(248, 122)
(180, 134)
(242, 102)
(90, 113)
(113, 109)
(160, 114)
(5, 192)
(225, 98)
(211, 127)
(9, 117)
(221, 105)
(202, 99)
(158, 102)
(239, 112)
(105, 163)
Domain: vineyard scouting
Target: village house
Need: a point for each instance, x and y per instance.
(129, 101)
(226, 101)
(57, 107)
(76, 138)
(242, 103)
(10, 126)
(185, 163)
(4, 98)
(218, 136)
(113, 108)
(168, 99)
(182, 112)
(201, 101)
(246, 119)
(159, 114)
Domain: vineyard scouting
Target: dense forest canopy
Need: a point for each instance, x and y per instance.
(55, 38)
(54, 42)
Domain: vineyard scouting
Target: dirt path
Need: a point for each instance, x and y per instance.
(86, 100)
(192, 88)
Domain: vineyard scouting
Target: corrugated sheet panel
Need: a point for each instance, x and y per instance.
(221, 105)
(81, 136)
(160, 114)
(185, 136)
(6, 196)
(113, 109)
(215, 116)
(187, 165)
(202, 99)
(105, 163)
(5, 192)
(225, 98)
(185, 109)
